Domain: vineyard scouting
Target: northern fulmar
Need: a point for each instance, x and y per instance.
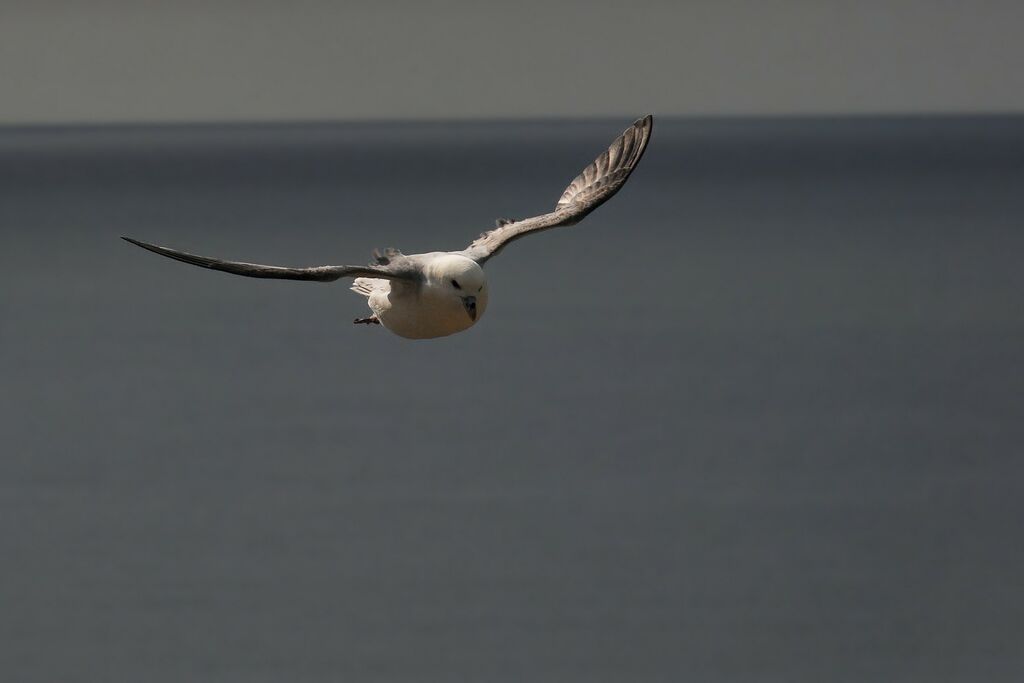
(422, 296)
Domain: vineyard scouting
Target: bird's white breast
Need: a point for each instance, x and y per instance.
(419, 312)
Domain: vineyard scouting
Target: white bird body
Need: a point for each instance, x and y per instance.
(422, 296)
(429, 310)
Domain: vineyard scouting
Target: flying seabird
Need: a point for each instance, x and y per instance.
(421, 296)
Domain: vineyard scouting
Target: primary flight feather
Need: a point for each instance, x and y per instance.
(421, 296)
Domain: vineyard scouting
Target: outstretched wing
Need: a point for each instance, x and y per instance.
(395, 269)
(591, 188)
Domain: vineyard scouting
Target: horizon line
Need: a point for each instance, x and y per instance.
(489, 120)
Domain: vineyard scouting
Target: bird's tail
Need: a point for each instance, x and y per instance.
(364, 285)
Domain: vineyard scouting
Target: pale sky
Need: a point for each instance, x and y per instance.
(233, 60)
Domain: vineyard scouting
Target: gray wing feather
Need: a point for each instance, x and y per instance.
(592, 187)
(395, 269)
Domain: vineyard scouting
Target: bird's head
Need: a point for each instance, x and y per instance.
(460, 280)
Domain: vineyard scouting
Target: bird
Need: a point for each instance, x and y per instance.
(436, 294)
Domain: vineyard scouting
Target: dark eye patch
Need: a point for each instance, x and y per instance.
(455, 284)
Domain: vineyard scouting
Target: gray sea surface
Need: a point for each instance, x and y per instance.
(759, 418)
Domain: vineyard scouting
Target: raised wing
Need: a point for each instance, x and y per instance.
(396, 268)
(591, 188)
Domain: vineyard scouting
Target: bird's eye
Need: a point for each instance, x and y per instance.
(455, 284)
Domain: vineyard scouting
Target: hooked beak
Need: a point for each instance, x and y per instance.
(470, 303)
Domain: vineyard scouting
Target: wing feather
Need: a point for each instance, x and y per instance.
(592, 187)
(396, 268)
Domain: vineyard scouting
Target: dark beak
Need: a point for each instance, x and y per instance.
(470, 303)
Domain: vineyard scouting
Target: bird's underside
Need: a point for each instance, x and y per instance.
(414, 275)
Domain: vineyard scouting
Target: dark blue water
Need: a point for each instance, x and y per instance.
(757, 419)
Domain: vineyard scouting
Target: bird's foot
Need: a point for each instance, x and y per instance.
(372, 320)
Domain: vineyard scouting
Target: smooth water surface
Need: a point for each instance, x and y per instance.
(757, 419)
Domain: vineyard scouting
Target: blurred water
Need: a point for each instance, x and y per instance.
(757, 419)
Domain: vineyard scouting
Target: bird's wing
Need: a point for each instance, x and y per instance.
(591, 188)
(395, 269)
